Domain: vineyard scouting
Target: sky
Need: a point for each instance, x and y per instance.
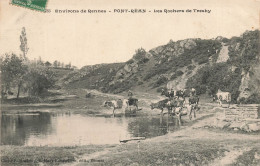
(93, 38)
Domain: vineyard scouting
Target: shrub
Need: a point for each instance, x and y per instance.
(130, 61)
(160, 81)
(191, 67)
(140, 83)
(253, 99)
(216, 77)
(179, 73)
(176, 74)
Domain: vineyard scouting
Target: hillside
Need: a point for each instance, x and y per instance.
(206, 64)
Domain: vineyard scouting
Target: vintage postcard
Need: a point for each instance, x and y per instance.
(123, 82)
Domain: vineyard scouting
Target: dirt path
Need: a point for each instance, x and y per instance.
(229, 158)
(223, 54)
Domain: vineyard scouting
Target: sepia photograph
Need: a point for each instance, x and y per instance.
(123, 82)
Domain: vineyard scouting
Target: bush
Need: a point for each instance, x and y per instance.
(140, 83)
(160, 81)
(253, 99)
(215, 77)
(179, 73)
(130, 61)
(191, 67)
(176, 74)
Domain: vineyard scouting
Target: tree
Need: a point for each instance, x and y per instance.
(55, 64)
(12, 72)
(23, 46)
(38, 80)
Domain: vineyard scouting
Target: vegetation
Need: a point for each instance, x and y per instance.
(18, 73)
(243, 51)
(12, 73)
(248, 158)
(252, 99)
(226, 76)
(161, 80)
(218, 76)
(140, 56)
(200, 54)
(176, 74)
(23, 39)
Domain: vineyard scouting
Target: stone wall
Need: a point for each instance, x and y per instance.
(242, 112)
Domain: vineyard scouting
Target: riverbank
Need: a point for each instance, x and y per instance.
(75, 101)
(191, 145)
(194, 143)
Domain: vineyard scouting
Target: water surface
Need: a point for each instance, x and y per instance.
(52, 129)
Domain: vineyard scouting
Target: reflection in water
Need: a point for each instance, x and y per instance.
(15, 129)
(75, 129)
(152, 126)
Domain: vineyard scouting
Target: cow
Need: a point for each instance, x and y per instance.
(132, 102)
(174, 103)
(174, 106)
(119, 104)
(179, 93)
(223, 96)
(115, 104)
(169, 94)
(160, 105)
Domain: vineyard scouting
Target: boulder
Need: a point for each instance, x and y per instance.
(254, 127)
(249, 127)
(221, 124)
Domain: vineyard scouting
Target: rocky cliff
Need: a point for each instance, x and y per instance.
(208, 65)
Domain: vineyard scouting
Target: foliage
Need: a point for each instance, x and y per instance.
(243, 51)
(160, 81)
(38, 80)
(215, 77)
(20, 73)
(200, 54)
(253, 99)
(140, 56)
(203, 50)
(12, 72)
(191, 67)
(176, 74)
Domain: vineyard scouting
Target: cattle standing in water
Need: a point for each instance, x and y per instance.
(115, 104)
(160, 105)
(132, 102)
(174, 107)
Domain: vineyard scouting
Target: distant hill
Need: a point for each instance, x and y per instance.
(205, 64)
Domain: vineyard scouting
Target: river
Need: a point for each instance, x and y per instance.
(57, 129)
